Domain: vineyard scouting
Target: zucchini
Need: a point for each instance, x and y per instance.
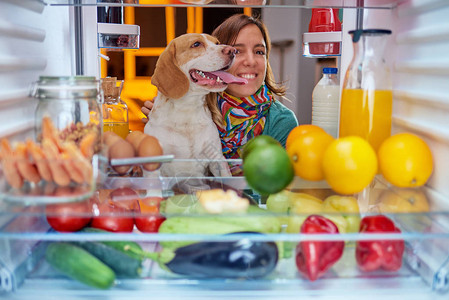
(121, 256)
(80, 265)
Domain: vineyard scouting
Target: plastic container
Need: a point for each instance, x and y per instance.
(366, 101)
(325, 100)
(115, 110)
(324, 20)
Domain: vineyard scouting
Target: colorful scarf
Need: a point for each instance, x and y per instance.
(244, 118)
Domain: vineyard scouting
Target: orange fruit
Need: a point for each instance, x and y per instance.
(405, 160)
(349, 164)
(268, 169)
(300, 130)
(306, 153)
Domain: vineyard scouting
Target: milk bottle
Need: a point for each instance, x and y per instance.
(325, 102)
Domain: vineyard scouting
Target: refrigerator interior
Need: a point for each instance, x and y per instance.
(46, 38)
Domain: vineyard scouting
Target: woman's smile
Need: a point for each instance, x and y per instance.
(247, 76)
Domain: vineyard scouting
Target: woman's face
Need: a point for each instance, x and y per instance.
(250, 61)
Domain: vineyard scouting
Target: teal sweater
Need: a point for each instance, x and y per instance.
(280, 121)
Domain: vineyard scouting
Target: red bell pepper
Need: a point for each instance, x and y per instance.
(379, 254)
(315, 258)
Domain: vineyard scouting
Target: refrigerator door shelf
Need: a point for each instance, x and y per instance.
(322, 44)
(118, 36)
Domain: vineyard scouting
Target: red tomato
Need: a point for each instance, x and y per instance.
(112, 218)
(125, 197)
(150, 219)
(69, 217)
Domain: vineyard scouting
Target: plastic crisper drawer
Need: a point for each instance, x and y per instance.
(25, 236)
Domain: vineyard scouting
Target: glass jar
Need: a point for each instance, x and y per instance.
(71, 103)
(367, 98)
(115, 110)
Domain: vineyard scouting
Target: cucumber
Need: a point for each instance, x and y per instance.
(121, 256)
(80, 265)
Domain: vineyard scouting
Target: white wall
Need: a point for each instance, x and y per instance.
(34, 40)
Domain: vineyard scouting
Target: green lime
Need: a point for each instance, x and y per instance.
(268, 169)
(258, 142)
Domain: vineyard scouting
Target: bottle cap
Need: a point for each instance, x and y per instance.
(330, 70)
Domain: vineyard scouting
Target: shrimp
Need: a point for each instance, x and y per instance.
(58, 172)
(70, 166)
(82, 163)
(9, 164)
(39, 159)
(25, 167)
(87, 144)
(50, 132)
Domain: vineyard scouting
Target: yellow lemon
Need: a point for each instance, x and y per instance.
(349, 164)
(409, 200)
(405, 160)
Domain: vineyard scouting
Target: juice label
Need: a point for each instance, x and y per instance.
(366, 114)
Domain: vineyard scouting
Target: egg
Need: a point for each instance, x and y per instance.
(134, 138)
(110, 138)
(150, 146)
(121, 149)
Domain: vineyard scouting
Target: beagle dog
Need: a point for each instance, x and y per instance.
(191, 66)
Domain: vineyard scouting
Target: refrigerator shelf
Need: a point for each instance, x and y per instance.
(49, 192)
(424, 269)
(372, 4)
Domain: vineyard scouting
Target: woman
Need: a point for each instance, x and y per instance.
(246, 111)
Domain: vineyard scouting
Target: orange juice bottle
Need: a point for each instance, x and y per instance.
(367, 97)
(366, 114)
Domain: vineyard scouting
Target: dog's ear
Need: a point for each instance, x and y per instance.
(168, 77)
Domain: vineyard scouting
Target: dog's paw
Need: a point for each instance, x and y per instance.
(220, 169)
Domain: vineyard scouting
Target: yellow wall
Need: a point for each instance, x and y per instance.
(137, 89)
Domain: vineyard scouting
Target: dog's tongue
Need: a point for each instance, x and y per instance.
(229, 78)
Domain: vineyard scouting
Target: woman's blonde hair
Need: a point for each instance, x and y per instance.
(227, 33)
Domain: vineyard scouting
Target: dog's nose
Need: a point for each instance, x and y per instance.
(228, 50)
